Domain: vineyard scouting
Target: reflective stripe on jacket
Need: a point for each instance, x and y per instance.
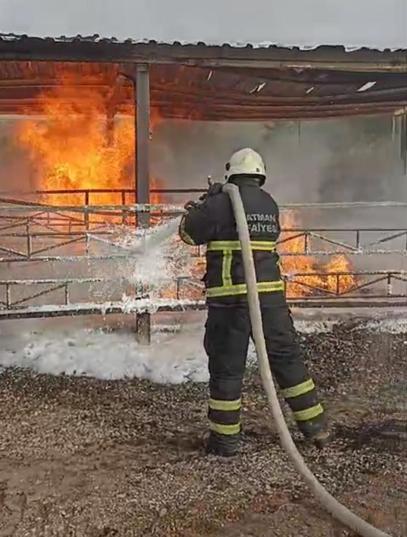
(212, 223)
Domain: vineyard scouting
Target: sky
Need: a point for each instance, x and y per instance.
(353, 23)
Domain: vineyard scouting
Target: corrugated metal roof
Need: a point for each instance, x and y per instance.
(191, 92)
(207, 66)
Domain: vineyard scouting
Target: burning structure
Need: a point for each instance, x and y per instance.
(90, 108)
(71, 149)
(74, 147)
(47, 252)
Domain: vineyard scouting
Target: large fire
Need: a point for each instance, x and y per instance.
(319, 276)
(75, 146)
(316, 278)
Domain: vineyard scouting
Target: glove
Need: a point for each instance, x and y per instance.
(214, 188)
(190, 205)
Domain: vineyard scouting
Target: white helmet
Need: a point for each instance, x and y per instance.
(246, 162)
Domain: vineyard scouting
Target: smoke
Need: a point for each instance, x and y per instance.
(316, 161)
(340, 160)
(16, 172)
(320, 161)
(355, 159)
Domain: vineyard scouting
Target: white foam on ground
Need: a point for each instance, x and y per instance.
(314, 327)
(390, 326)
(172, 358)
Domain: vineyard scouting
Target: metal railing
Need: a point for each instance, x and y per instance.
(27, 237)
(123, 195)
(34, 231)
(48, 286)
(361, 288)
(370, 288)
(63, 226)
(355, 244)
(87, 193)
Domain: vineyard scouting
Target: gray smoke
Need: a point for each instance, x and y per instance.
(355, 159)
(317, 161)
(16, 170)
(339, 160)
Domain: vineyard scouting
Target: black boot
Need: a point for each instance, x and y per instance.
(223, 445)
(322, 438)
(316, 431)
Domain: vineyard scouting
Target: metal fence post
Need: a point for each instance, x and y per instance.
(87, 210)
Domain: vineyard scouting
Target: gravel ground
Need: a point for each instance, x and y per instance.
(84, 457)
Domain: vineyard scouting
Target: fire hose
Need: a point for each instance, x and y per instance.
(333, 506)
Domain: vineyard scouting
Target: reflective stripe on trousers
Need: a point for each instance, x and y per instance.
(224, 416)
(302, 400)
(241, 289)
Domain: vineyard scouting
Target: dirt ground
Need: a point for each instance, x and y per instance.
(84, 457)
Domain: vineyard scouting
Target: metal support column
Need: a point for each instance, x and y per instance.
(403, 142)
(142, 170)
(142, 141)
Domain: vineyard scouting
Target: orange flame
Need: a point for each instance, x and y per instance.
(320, 276)
(77, 147)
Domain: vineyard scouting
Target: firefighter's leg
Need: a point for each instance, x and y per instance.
(226, 343)
(291, 373)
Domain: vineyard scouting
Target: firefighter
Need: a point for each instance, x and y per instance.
(210, 221)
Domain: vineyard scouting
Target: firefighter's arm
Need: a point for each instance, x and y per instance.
(197, 226)
(278, 219)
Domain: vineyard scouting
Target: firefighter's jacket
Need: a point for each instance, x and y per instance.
(212, 223)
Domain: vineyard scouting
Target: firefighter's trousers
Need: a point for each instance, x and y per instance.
(228, 331)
